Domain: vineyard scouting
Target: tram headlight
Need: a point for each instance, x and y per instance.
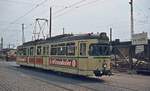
(101, 72)
(104, 65)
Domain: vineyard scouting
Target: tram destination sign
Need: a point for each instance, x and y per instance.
(140, 39)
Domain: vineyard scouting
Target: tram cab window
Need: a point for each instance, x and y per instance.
(82, 49)
(31, 51)
(99, 50)
(39, 50)
(71, 49)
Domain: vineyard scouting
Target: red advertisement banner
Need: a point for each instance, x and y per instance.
(63, 62)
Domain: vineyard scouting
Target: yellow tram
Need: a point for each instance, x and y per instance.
(85, 54)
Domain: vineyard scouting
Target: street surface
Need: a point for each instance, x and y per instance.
(16, 78)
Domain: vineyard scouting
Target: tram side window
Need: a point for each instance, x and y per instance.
(83, 49)
(24, 52)
(28, 51)
(53, 51)
(71, 49)
(20, 52)
(39, 50)
(61, 50)
(31, 51)
(45, 50)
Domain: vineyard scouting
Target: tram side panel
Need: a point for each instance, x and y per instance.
(63, 64)
(75, 64)
(21, 57)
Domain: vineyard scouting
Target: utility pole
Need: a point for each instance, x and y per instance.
(50, 22)
(110, 35)
(1, 42)
(9, 46)
(111, 47)
(23, 38)
(132, 32)
(63, 30)
(132, 19)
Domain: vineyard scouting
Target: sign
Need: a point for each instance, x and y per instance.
(140, 38)
(139, 49)
(63, 62)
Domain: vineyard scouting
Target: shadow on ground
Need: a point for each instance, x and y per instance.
(55, 74)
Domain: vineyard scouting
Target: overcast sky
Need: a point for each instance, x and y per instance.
(76, 16)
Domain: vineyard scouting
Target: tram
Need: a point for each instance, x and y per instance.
(84, 54)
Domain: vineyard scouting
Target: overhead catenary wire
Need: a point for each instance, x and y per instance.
(145, 17)
(41, 3)
(70, 6)
(75, 5)
(88, 3)
(28, 12)
(15, 2)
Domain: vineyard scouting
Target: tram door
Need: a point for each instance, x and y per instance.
(82, 54)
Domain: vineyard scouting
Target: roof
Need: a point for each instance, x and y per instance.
(68, 37)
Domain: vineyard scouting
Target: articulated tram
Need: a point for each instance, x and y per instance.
(85, 54)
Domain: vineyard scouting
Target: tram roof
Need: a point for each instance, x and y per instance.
(68, 37)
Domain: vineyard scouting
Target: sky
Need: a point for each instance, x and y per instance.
(75, 16)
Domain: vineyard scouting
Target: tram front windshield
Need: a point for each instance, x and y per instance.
(99, 50)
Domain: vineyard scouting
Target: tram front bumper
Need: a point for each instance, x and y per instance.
(102, 72)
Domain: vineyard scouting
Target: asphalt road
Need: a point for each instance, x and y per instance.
(16, 78)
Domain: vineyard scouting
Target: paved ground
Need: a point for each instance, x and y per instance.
(15, 78)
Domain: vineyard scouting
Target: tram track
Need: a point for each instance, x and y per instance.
(125, 88)
(16, 78)
(56, 85)
(51, 83)
(36, 78)
(84, 87)
(4, 86)
(73, 83)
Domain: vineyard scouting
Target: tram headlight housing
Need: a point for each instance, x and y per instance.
(104, 65)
